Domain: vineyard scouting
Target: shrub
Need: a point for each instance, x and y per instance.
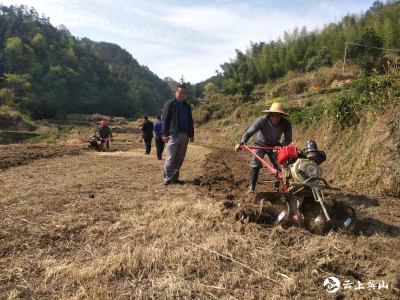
(201, 114)
(298, 85)
(258, 93)
(252, 111)
(277, 99)
(7, 96)
(9, 114)
(294, 85)
(346, 110)
(237, 114)
(325, 76)
(329, 90)
(28, 121)
(209, 87)
(216, 114)
(305, 116)
(371, 93)
(97, 117)
(322, 59)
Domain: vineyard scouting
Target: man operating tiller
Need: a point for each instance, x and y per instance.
(269, 129)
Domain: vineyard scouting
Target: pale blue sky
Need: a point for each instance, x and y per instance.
(190, 38)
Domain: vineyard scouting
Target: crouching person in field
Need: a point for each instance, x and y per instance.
(105, 133)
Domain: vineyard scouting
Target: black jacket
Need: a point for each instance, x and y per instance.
(170, 119)
(147, 129)
(105, 131)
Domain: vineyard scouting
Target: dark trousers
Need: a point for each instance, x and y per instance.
(147, 143)
(107, 144)
(160, 147)
(257, 164)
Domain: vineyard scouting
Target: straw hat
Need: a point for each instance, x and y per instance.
(276, 107)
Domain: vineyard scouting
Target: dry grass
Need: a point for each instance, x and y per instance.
(356, 158)
(9, 114)
(102, 226)
(325, 77)
(129, 241)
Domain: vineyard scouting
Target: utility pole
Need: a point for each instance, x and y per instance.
(344, 59)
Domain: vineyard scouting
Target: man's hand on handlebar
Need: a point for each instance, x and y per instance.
(238, 147)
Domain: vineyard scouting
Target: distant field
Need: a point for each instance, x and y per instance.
(100, 225)
(26, 137)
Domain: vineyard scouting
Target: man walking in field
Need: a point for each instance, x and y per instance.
(177, 130)
(159, 141)
(105, 132)
(147, 135)
(269, 129)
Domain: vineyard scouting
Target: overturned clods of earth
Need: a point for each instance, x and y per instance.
(19, 154)
(365, 251)
(102, 226)
(15, 155)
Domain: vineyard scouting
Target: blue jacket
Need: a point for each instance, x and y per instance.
(157, 129)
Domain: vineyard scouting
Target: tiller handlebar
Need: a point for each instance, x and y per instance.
(272, 169)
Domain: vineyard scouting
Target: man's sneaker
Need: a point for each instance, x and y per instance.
(178, 181)
(251, 189)
(166, 183)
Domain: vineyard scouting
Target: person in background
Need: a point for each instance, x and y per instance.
(105, 132)
(269, 129)
(147, 135)
(177, 130)
(158, 139)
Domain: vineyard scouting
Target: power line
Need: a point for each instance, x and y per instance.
(345, 51)
(397, 50)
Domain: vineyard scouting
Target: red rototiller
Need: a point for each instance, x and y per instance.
(300, 199)
(97, 143)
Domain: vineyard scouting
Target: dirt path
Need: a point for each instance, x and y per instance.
(101, 225)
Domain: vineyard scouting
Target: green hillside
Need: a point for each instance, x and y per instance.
(369, 40)
(353, 113)
(308, 63)
(46, 72)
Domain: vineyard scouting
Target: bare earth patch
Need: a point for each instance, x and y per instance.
(102, 226)
(16, 155)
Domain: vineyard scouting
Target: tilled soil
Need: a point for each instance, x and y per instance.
(15, 155)
(19, 154)
(48, 231)
(226, 177)
(373, 234)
